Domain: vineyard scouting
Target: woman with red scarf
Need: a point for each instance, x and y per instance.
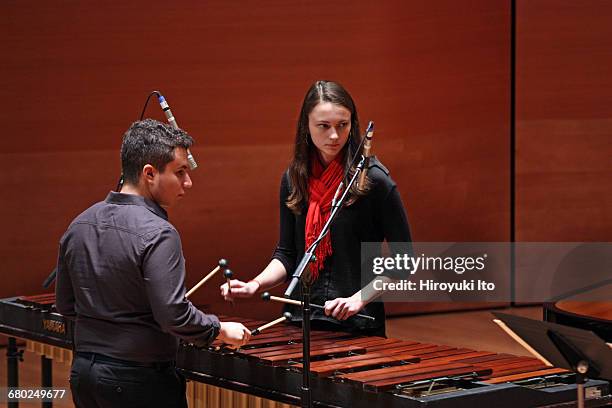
(327, 140)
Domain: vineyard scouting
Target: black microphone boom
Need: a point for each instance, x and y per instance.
(50, 279)
(366, 153)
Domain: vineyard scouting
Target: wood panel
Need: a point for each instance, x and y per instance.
(433, 75)
(564, 121)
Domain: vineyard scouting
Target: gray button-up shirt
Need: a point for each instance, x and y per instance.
(121, 275)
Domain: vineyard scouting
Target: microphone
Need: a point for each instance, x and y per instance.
(172, 121)
(366, 153)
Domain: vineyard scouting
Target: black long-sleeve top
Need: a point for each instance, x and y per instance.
(121, 276)
(375, 217)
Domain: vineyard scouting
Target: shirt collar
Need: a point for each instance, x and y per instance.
(131, 199)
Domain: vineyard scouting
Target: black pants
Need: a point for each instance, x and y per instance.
(100, 382)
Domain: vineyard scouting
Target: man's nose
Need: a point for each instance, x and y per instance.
(187, 183)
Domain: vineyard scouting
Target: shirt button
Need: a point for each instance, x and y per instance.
(119, 389)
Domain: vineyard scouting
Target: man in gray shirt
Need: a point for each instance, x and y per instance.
(121, 275)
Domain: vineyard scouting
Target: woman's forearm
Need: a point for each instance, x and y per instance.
(273, 275)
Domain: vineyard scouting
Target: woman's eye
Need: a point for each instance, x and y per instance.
(181, 173)
(323, 125)
(342, 125)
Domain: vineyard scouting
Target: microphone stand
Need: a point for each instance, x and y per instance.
(309, 256)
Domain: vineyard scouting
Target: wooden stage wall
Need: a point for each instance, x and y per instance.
(435, 76)
(564, 121)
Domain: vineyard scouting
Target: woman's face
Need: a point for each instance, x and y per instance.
(329, 126)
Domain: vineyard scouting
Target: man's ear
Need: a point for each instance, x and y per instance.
(149, 172)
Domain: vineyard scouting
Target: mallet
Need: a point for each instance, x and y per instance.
(286, 317)
(266, 296)
(222, 264)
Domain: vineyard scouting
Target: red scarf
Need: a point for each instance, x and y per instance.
(322, 185)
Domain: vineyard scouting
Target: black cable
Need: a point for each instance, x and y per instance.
(144, 108)
(355, 156)
(356, 153)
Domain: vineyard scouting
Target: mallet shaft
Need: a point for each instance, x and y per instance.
(268, 325)
(298, 303)
(203, 281)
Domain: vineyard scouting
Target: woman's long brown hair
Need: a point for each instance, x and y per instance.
(299, 168)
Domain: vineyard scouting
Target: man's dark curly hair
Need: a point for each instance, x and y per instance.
(150, 142)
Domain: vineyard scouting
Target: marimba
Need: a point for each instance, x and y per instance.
(350, 371)
(346, 370)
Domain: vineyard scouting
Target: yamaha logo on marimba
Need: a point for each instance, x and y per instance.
(54, 326)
